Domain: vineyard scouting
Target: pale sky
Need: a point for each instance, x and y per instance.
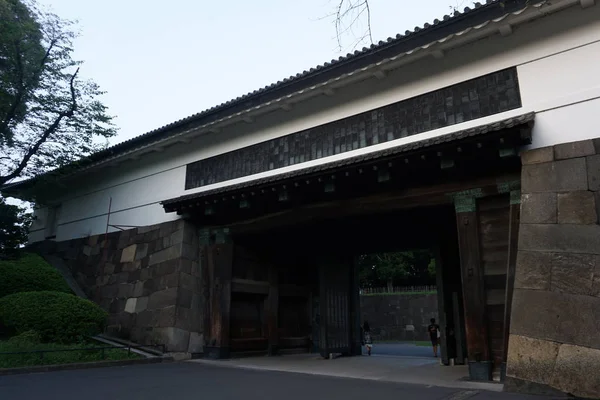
(162, 61)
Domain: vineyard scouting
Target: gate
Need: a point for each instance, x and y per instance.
(336, 315)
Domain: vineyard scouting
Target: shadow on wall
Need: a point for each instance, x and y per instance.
(399, 317)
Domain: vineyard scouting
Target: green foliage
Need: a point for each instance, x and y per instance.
(58, 317)
(404, 267)
(25, 339)
(431, 268)
(14, 225)
(30, 273)
(49, 117)
(57, 354)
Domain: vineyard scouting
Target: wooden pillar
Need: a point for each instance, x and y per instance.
(478, 347)
(356, 346)
(441, 306)
(513, 244)
(272, 310)
(220, 266)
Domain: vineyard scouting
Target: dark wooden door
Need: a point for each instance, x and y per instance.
(335, 302)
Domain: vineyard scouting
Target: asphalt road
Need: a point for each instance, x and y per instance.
(197, 381)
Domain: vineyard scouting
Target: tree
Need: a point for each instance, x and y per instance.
(49, 116)
(14, 224)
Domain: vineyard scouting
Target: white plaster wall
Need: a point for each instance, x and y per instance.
(556, 58)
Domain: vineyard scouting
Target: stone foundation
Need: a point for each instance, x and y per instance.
(555, 326)
(148, 279)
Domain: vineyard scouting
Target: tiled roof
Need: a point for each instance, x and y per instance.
(423, 36)
(171, 204)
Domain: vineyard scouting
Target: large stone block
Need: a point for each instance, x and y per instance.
(593, 167)
(163, 317)
(169, 253)
(128, 254)
(184, 318)
(163, 298)
(577, 208)
(531, 359)
(189, 252)
(196, 344)
(536, 156)
(581, 148)
(567, 238)
(573, 273)
(576, 371)
(130, 305)
(176, 340)
(533, 270)
(125, 290)
(141, 304)
(138, 289)
(188, 282)
(557, 176)
(558, 317)
(184, 298)
(141, 251)
(596, 280)
(539, 208)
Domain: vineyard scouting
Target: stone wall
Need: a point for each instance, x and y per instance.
(147, 278)
(390, 315)
(555, 326)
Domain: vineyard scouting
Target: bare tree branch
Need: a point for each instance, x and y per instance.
(46, 134)
(352, 10)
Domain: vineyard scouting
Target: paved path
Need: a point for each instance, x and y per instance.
(196, 381)
(401, 349)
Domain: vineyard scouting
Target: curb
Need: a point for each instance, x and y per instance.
(85, 365)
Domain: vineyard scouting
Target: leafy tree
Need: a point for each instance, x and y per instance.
(14, 224)
(49, 116)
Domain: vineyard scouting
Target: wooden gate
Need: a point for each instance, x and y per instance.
(335, 301)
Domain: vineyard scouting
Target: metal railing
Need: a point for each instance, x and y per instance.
(102, 350)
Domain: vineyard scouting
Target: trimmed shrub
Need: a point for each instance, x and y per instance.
(57, 317)
(30, 273)
(26, 338)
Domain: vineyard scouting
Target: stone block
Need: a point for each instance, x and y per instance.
(145, 274)
(164, 268)
(125, 290)
(163, 317)
(184, 298)
(185, 266)
(593, 168)
(109, 268)
(116, 306)
(558, 317)
(567, 238)
(539, 208)
(196, 270)
(128, 254)
(87, 250)
(130, 266)
(150, 236)
(162, 298)
(130, 305)
(141, 304)
(189, 252)
(141, 251)
(581, 148)
(166, 229)
(176, 237)
(190, 234)
(536, 156)
(147, 228)
(596, 280)
(102, 280)
(558, 176)
(573, 273)
(597, 145)
(184, 318)
(533, 270)
(134, 276)
(188, 282)
(138, 289)
(576, 371)
(531, 359)
(165, 255)
(577, 208)
(122, 277)
(196, 344)
(109, 291)
(176, 340)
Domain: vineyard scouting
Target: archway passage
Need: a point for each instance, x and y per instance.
(279, 253)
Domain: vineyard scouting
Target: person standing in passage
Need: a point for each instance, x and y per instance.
(434, 335)
(367, 337)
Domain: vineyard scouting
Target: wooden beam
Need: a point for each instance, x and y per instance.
(249, 286)
(443, 323)
(272, 310)
(478, 347)
(220, 264)
(513, 244)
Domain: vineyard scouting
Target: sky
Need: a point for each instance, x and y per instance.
(162, 61)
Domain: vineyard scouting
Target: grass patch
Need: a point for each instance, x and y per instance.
(395, 293)
(62, 357)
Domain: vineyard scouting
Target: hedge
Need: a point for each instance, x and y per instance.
(57, 317)
(30, 273)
